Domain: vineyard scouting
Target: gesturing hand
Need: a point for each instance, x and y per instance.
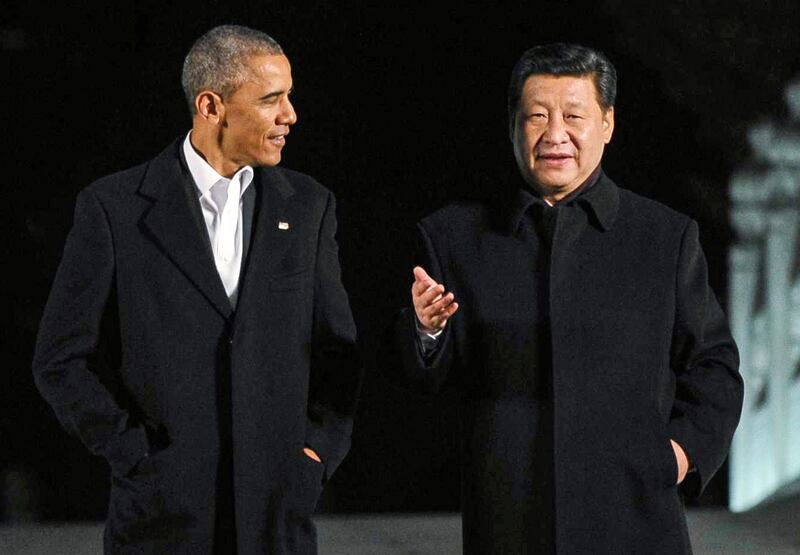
(431, 303)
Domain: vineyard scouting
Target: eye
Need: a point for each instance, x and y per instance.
(537, 116)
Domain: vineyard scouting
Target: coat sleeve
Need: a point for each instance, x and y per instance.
(66, 353)
(405, 363)
(335, 364)
(709, 388)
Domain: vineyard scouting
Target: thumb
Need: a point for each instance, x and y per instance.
(421, 276)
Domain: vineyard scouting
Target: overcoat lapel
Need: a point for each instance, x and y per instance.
(171, 224)
(274, 230)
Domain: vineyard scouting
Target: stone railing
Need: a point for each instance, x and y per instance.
(764, 307)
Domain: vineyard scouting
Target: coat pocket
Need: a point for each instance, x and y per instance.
(669, 464)
(308, 475)
(651, 459)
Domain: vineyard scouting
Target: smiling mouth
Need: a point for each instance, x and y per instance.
(554, 160)
(554, 156)
(278, 140)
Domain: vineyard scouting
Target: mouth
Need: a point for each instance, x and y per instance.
(554, 159)
(278, 139)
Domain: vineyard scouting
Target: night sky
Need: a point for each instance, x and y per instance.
(402, 108)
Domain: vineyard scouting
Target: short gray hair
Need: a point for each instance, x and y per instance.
(216, 61)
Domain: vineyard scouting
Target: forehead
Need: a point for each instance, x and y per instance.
(268, 70)
(559, 90)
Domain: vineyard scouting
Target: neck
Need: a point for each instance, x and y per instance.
(208, 145)
(554, 197)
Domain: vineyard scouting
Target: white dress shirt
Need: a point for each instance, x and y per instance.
(427, 341)
(223, 218)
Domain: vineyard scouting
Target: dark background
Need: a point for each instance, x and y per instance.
(402, 108)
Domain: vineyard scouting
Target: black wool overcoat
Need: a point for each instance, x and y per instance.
(139, 351)
(576, 368)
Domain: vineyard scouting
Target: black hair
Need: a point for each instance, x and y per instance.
(563, 59)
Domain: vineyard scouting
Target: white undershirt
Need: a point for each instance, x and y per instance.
(223, 219)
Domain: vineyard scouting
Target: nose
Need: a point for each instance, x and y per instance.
(556, 131)
(287, 115)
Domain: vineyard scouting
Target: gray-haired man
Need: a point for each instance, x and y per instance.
(209, 280)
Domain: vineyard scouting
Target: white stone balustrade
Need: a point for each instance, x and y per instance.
(764, 308)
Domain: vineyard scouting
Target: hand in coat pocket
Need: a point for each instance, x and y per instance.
(681, 459)
(310, 453)
(307, 485)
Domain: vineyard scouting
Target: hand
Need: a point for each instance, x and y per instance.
(311, 454)
(431, 303)
(682, 460)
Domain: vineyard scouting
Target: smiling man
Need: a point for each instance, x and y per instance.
(197, 335)
(598, 375)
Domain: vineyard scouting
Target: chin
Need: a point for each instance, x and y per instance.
(271, 160)
(554, 180)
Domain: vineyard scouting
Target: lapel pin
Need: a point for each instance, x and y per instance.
(283, 225)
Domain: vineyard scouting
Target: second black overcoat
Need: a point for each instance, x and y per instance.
(570, 398)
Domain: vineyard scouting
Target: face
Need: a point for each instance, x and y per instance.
(560, 132)
(257, 116)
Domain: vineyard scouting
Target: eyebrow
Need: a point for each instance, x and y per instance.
(276, 93)
(536, 104)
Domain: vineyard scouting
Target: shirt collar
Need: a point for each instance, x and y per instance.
(587, 184)
(205, 176)
(598, 195)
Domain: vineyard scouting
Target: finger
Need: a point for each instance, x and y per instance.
(420, 287)
(442, 314)
(446, 312)
(430, 295)
(440, 320)
(421, 275)
(451, 309)
(422, 281)
(439, 304)
(427, 314)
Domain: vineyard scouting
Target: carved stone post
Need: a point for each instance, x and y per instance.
(765, 309)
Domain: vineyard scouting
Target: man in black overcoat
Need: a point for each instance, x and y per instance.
(198, 335)
(598, 376)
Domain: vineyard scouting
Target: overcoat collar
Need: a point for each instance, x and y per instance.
(601, 200)
(179, 231)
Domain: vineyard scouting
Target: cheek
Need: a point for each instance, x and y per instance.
(585, 140)
(532, 137)
(251, 125)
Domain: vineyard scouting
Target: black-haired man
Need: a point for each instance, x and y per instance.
(595, 364)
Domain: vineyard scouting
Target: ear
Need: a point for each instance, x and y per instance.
(608, 124)
(210, 107)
